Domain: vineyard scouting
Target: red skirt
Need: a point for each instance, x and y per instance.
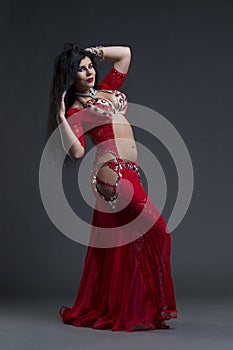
(126, 284)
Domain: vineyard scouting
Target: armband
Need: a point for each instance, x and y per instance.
(96, 52)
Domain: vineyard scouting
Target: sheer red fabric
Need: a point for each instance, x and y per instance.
(127, 287)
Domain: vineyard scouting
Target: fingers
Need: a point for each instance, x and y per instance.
(62, 107)
(63, 99)
(63, 94)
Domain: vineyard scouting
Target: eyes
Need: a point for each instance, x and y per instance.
(90, 66)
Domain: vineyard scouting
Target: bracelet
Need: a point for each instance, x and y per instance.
(96, 52)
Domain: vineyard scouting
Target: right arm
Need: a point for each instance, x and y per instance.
(68, 137)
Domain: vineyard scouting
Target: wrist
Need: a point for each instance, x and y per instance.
(61, 117)
(96, 51)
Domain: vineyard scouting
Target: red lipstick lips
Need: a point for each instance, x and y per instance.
(90, 80)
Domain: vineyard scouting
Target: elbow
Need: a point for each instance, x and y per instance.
(128, 51)
(77, 155)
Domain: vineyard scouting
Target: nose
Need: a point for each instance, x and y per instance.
(88, 71)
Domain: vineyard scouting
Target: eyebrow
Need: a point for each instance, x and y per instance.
(84, 66)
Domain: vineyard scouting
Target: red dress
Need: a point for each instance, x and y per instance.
(126, 283)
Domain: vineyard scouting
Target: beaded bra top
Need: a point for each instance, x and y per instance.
(105, 107)
(96, 118)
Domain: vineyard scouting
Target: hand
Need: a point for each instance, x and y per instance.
(96, 52)
(62, 111)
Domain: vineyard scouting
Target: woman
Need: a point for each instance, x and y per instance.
(126, 283)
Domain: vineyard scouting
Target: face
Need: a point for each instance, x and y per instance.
(85, 75)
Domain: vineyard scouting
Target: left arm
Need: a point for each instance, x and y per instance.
(121, 55)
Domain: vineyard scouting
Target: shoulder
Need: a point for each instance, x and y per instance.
(77, 105)
(74, 109)
(113, 80)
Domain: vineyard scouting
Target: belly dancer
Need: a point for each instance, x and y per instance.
(126, 283)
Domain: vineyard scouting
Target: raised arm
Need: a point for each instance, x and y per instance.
(70, 134)
(121, 55)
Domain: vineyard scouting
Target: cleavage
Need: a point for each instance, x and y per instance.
(115, 105)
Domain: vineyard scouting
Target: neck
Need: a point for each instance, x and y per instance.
(89, 93)
(82, 91)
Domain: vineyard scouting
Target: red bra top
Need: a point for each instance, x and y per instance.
(96, 118)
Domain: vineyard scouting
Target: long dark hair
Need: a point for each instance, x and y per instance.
(65, 70)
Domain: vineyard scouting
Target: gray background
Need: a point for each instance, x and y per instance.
(181, 67)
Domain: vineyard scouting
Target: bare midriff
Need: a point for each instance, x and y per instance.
(124, 141)
(123, 135)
